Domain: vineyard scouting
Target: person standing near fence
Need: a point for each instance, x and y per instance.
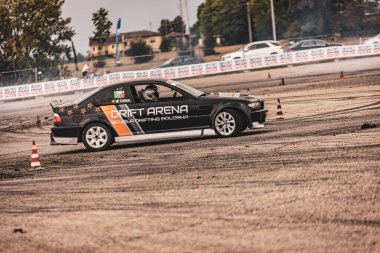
(85, 70)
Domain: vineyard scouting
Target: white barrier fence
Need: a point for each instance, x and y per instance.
(48, 88)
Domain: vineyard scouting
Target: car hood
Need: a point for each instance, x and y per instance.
(232, 96)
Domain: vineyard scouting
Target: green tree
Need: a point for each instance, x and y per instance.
(102, 26)
(33, 34)
(141, 51)
(176, 25)
(205, 12)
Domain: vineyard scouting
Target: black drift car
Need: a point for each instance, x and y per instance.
(152, 109)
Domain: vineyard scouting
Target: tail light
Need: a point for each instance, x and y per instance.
(56, 118)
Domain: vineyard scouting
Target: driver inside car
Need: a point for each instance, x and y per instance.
(150, 93)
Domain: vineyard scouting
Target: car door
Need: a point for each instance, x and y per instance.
(260, 50)
(173, 111)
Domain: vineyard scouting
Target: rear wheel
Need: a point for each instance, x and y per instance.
(96, 137)
(228, 123)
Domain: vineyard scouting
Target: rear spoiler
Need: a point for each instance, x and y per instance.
(54, 104)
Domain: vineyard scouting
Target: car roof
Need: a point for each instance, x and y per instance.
(262, 41)
(158, 80)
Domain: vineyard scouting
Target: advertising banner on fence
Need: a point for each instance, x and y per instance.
(313, 55)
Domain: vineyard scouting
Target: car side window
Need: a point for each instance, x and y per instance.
(177, 61)
(146, 93)
(261, 45)
(187, 60)
(308, 44)
(113, 95)
(251, 47)
(320, 43)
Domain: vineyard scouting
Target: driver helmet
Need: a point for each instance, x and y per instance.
(151, 93)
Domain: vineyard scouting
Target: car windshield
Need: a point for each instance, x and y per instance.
(192, 91)
(86, 95)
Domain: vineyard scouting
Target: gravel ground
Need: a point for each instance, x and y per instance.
(307, 183)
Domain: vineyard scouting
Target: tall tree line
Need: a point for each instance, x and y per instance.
(294, 18)
(33, 34)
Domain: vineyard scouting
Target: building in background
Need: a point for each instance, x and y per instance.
(152, 39)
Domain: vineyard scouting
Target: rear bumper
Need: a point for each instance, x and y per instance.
(65, 135)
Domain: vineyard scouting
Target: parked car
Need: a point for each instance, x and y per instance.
(258, 48)
(152, 109)
(310, 44)
(181, 60)
(373, 40)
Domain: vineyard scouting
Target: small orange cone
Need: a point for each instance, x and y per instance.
(269, 76)
(341, 75)
(279, 110)
(35, 164)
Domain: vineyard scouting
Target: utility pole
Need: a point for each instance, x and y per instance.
(183, 32)
(249, 23)
(188, 25)
(273, 21)
(36, 74)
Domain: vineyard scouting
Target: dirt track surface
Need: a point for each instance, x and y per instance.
(308, 183)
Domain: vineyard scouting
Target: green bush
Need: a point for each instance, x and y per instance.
(141, 51)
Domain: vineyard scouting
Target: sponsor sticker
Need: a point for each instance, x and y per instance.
(366, 49)
(211, 68)
(348, 51)
(101, 80)
(286, 58)
(75, 84)
(88, 82)
(23, 91)
(50, 87)
(271, 60)
(301, 56)
(197, 69)
(183, 71)
(118, 94)
(127, 76)
(240, 64)
(62, 86)
(317, 54)
(142, 74)
(114, 78)
(332, 52)
(256, 62)
(156, 73)
(226, 66)
(169, 72)
(36, 89)
(10, 92)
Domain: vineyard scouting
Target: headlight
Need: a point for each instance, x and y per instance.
(255, 105)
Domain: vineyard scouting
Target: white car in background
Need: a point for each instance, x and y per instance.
(373, 40)
(258, 48)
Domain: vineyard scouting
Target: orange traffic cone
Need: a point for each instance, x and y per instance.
(279, 110)
(35, 164)
(269, 76)
(341, 75)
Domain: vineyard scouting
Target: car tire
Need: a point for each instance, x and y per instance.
(228, 123)
(96, 137)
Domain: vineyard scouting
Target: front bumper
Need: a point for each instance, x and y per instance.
(65, 135)
(257, 118)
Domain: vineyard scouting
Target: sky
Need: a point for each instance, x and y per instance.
(135, 15)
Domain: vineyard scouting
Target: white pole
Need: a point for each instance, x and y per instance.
(249, 23)
(273, 21)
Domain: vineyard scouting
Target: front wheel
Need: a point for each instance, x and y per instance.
(228, 123)
(96, 137)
